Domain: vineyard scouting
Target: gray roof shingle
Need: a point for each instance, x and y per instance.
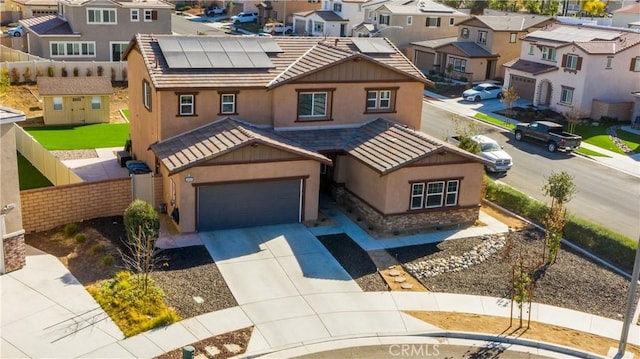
(52, 86)
(47, 25)
(531, 67)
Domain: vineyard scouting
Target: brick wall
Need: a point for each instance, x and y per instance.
(14, 253)
(400, 222)
(46, 208)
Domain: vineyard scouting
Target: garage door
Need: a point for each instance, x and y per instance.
(525, 86)
(424, 60)
(248, 204)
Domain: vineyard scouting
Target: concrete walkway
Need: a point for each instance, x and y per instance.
(627, 164)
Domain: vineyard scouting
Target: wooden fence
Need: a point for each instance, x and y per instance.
(49, 165)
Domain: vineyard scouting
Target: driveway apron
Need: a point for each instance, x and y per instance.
(272, 262)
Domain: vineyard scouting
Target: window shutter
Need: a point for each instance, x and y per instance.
(564, 60)
(438, 23)
(579, 65)
(154, 15)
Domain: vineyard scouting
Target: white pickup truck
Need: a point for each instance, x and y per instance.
(489, 150)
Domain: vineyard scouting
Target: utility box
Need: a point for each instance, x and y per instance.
(123, 157)
(188, 352)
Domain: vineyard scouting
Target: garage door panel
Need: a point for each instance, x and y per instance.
(525, 87)
(237, 205)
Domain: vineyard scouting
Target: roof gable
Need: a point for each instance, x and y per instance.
(507, 22)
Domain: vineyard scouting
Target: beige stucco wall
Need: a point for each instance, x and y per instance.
(143, 124)
(75, 112)
(186, 192)
(417, 31)
(9, 188)
(390, 194)
(348, 104)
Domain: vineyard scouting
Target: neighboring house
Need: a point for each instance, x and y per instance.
(95, 30)
(405, 21)
(283, 10)
(12, 251)
(628, 16)
(32, 8)
(589, 70)
(334, 18)
(75, 99)
(252, 133)
(483, 44)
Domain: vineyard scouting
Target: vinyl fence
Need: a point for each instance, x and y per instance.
(17, 63)
(50, 166)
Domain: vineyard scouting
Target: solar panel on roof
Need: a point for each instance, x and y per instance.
(269, 45)
(372, 45)
(212, 52)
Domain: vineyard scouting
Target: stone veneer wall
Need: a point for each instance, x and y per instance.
(14, 253)
(419, 220)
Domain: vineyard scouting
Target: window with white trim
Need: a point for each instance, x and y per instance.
(150, 15)
(452, 21)
(434, 194)
(378, 100)
(409, 20)
(187, 105)
(432, 22)
(566, 95)
(228, 103)
(96, 102)
(318, 27)
(73, 49)
(384, 19)
(532, 49)
(117, 49)
(57, 103)
(464, 33)
(312, 105)
(609, 64)
(146, 94)
(482, 37)
(101, 16)
(337, 7)
(459, 65)
(513, 37)
(572, 62)
(135, 15)
(548, 53)
(635, 64)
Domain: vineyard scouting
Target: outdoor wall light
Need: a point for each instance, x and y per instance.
(7, 208)
(189, 178)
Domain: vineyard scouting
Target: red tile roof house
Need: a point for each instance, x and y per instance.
(248, 131)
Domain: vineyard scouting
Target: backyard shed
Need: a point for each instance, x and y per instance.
(75, 100)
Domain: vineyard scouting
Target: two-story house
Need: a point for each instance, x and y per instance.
(407, 21)
(482, 45)
(95, 30)
(23, 9)
(247, 131)
(332, 19)
(591, 70)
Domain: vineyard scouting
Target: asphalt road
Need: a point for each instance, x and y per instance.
(181, 26)
(605, 196)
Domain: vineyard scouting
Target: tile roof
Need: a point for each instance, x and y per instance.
(124, 3)
(629, 9)
(509, 22)
(51, 86)
(472, 49)
(531, 67)
(422, 7)
(37, 2)
(591, 39)
(293, 49)
(218, 138)
(383, 145)
(328, 15)
(47, 25)
(435, 43)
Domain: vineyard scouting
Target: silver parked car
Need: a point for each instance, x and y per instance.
(483, 92)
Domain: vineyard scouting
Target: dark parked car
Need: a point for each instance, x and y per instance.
(549, 133)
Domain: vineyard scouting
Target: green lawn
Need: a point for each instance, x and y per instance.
(597, 136)
(29, 177)
(78, 137)
(495, 121)
(125, 112)
(589, 152)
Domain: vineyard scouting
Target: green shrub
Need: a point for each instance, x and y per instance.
(141, 216)
(76, 72)
(107, 260)
(602, 242)
(80, 238)
(5, 81)
(70, 229)
(15, 75)
(96, 248)
(63, 71)
(50, 71)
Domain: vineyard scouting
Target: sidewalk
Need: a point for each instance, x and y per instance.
(627, 164)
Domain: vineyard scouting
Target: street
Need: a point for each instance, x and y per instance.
(604, 196)
(181, 26)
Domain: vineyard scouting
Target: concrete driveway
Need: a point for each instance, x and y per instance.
(271, 262)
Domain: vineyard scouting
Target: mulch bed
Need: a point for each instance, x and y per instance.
(187, 274)
(355, 261)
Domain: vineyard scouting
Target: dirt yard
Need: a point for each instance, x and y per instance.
(27, 99)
